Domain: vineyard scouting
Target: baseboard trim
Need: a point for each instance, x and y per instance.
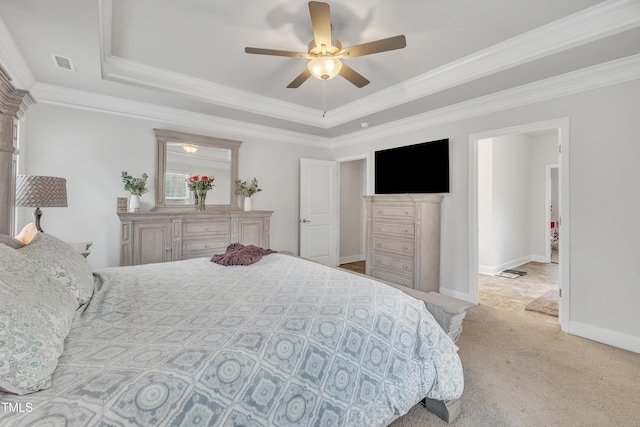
(605, 336)
(495, 269)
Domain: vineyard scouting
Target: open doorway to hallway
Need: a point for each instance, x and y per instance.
(518, 213)
(353, 187)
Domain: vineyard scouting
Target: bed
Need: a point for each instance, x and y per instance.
(281, 342)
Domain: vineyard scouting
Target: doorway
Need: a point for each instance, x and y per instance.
(524, 238)
(353, 186)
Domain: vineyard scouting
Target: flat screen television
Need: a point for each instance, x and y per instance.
(418, 168)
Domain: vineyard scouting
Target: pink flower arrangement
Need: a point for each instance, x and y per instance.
(203, 182)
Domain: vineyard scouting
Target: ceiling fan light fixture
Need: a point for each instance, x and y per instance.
(325, 52)
(190, 148)
(324, 67)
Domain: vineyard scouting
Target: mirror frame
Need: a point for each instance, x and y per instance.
(164, 136)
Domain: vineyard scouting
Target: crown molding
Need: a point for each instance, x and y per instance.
(105, 29)
(90, 101)
(601, 20)
(122, 70)
(610, 73)
(614, 72)
(12, 60)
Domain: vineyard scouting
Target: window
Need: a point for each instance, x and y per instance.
(175, 185)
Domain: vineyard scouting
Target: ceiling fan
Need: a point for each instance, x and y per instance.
(325, 53)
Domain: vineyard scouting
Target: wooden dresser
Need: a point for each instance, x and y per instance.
(148, 237)
(403, 239)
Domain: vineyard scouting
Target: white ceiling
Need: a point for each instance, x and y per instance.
(185, 58)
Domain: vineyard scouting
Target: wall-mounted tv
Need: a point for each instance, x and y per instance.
(418, 168)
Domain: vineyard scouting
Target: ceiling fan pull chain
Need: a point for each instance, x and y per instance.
(324, 98)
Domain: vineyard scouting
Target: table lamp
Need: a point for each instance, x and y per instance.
(40, 191)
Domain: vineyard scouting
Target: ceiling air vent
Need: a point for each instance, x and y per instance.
(63, 62)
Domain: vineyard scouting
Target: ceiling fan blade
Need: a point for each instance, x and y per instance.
(300, 79)
(274, 52)
(353, 76)
(392, 43)
(321, 23)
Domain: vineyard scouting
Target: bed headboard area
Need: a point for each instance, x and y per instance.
(13, 104)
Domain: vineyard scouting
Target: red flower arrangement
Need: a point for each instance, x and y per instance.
(203, 182)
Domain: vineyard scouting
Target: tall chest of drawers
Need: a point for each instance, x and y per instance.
(148, 237)
(403, 239)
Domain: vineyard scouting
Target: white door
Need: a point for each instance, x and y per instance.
(319, 200)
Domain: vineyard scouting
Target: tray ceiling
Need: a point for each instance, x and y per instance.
(188, 56)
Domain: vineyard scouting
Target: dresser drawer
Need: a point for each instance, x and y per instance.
(399, 264)
(394, 229)
(205, 228)
(196, 248)
(395, 212)
(393, 278)
(387, 245)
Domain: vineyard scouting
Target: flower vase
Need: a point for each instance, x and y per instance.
(134, 203)
(247, 204)
(201, 197)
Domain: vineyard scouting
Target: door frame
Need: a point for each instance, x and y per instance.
(562, 125)
(547, 203)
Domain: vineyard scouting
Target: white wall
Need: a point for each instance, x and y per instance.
(90, 149)
(511, 204)
(352, 188)
(544, 152)
(604, 202)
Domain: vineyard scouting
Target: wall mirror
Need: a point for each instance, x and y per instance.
(182, 155)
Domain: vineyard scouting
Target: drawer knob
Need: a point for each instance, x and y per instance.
(405, 248)
(379, 244)
(406, 230)
(206, 228)
(406, 212)
(206, 246)
(379, 227)
(405, 266)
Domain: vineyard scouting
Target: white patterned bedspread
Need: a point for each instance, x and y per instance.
(283, 342)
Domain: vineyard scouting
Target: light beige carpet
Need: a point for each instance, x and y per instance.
(521, 370)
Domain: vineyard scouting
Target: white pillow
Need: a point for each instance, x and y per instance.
(35, 317)
(59, 260)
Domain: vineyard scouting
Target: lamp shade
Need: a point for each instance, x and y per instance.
(41, 191)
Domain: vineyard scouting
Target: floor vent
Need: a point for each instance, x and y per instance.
(63, 62)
